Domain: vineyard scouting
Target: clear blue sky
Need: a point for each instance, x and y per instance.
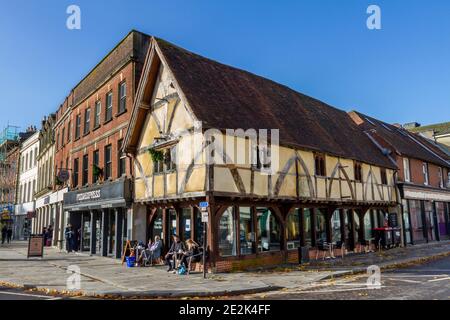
(318, 47)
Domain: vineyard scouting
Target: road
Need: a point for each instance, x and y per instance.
(429, 281)
(19, 294)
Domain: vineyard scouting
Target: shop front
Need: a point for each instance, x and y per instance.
(425, 214)
(99, 216)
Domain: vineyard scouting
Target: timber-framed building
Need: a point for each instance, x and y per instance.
(332, 183)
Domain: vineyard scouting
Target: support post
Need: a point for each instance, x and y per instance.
(118, 240)
(93, 244)
(105, 223)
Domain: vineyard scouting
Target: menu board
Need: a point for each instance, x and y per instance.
(36, 246)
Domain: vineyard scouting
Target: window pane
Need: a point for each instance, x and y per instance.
(198, 227)
(108, 113)
(122, 97)
(368, 226)
(293, 229)
(269, 231)
(107, 162)
(227, 237)
(307, 226)
(157, 227)
(185, 224)
(246, 236)
(321, 232)
(336, 226)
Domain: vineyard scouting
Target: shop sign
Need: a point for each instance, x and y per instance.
(91, 195)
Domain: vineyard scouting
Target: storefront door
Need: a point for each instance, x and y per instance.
(86, 232)
(429, 221)
(111, 233)
(98, 234)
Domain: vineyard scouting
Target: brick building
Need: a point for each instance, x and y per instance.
(423, 178)
(89, 130)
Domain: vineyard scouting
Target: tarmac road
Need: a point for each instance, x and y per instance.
(430, 281)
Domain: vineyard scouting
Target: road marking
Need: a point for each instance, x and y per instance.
(25, 294)
(405, 280)
(434, 280)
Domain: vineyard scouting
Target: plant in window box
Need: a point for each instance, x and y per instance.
(97, 171)
(156, 155)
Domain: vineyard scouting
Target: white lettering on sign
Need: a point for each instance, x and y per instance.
(89, 195)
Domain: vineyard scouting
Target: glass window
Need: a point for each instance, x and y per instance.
(85, 170)
(69, 131)
(358, 171)
(121, 161)
(198, 227)
(172, 223)
(336, 226)
(185, 224)
(246, 233)
(108, 162)
(321, 230)
(227, 237)
(122, 97)
(269, 231)
(157, 226)
(425, 173)
(383, 176)
(75, 173)
(98, 110)
(293, 229)
(368, 225)
(95, 163)
(406, 221)
(78, 127)
(87, 120)
(406, 169)
(108, 111)
(307, 226)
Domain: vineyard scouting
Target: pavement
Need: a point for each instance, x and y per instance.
(102, 277)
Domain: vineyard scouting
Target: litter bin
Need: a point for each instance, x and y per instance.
(383, 237)
(303, 255)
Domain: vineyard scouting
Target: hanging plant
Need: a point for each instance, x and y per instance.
(96, 170)
(58, 181)
(156, 155)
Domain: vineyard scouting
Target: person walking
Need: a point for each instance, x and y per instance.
(4, 233)
(70, 238)
(9, 234)
(49, 236)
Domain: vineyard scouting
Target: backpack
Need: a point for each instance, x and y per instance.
(182, 270)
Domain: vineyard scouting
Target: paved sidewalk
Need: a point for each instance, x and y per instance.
(102, 276)
(106, 277)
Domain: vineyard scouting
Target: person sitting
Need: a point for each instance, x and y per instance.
(193, 251)
(152, 252)
(177, 249)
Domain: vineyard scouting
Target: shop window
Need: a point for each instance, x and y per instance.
(198, 227)
(383, 176)
(307, 223)
(185, 224)
(406, 222)
(293, 229)
(170, 159)
(368, 225)
(246, 233)
(321, 226)
(226, 236)
(269, 230)
(157, 226)
(319, 165)
(358, 171)
(441, 178)
(172, 223)
(336, 226)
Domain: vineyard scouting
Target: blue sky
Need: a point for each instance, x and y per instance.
(322, 48)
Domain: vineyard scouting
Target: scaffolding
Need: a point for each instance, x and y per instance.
(9, 139)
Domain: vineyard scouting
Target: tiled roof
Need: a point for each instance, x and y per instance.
(225, 97)
(404, 142)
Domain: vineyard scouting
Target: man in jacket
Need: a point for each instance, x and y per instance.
(176, 250)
